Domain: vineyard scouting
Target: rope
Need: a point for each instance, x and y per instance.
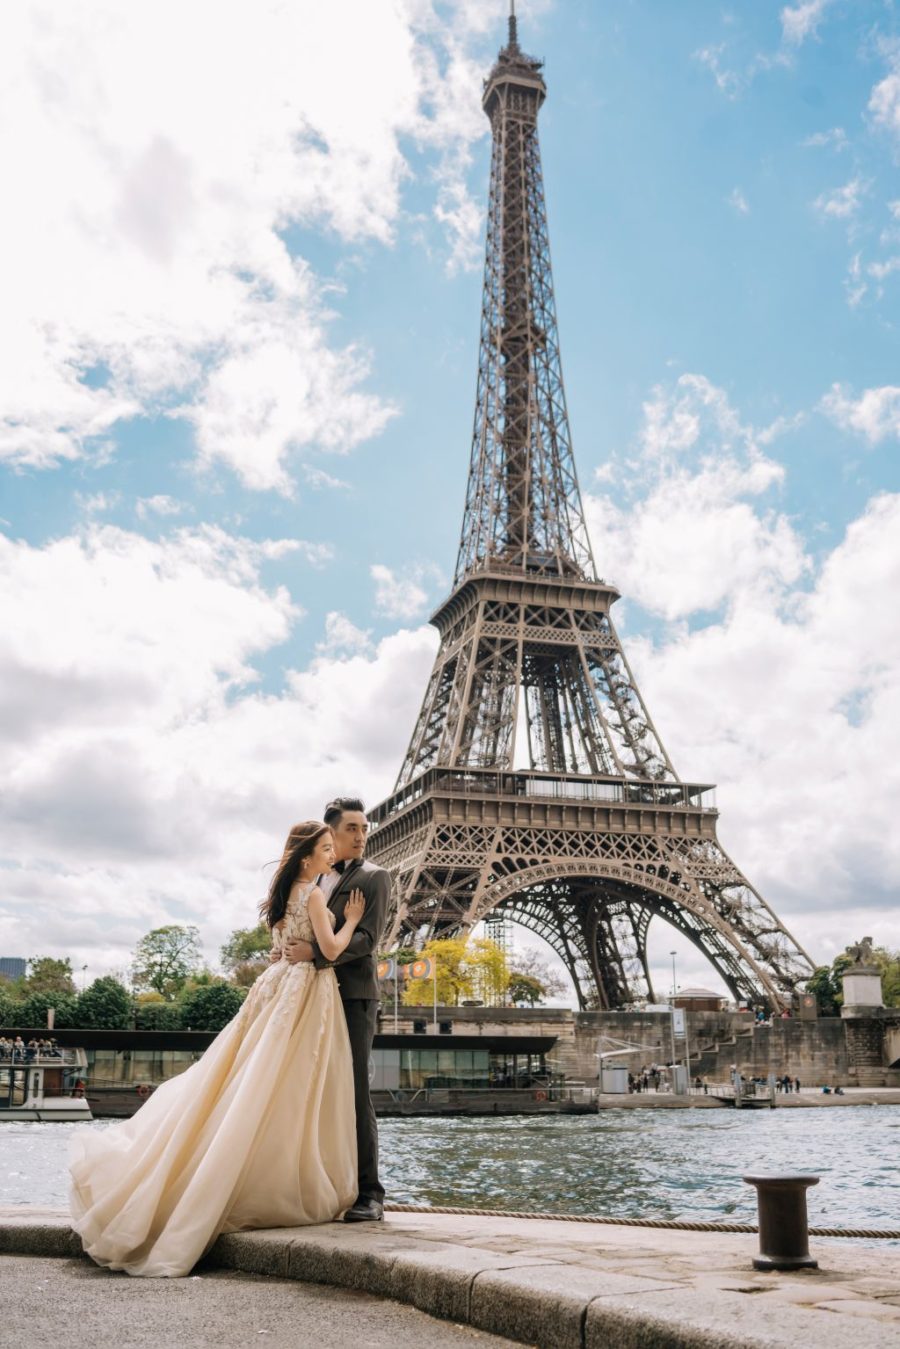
(679, 1224)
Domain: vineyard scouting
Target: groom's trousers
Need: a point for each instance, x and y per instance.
(361, 1020)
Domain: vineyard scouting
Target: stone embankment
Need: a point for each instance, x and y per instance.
(557, 1283)
(807, 1099)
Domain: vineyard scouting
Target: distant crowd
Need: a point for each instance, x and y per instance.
(17, 1051)
(652, 1077)
(648, 1079)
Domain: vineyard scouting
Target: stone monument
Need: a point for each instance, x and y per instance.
(863, 1011)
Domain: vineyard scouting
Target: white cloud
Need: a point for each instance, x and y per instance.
(854, 282)
(318, 478)
(802, 20)
(835, 139)
(884, 101)
(395, 596)
(734, 77)
(144, 269)
(343, 636)
(882, 270)
(875, 414)
(841, 202)
(97, 503)
(316, 554)
(796, 726)
(739, 201)
(744, 677)
(146, 778)
(682, 533)
(160, 504)
(728, 81)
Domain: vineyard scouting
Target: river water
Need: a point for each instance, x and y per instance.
(634, 1163)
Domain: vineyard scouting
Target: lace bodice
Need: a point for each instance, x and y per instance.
(296, 925)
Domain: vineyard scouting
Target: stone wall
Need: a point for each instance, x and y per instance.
(652, 1033)
(814, 1051)
(827, 1050)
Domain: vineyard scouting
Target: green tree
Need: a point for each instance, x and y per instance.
(890, 979)
(210, 1007)
(47, 975)
(165, 957)
(33, 1010)
(9, 1010)
(104, 1005)
(525, 990)
(159, 1015)
(246, 945)
(246, 954)
(533, 964)
(821, 985)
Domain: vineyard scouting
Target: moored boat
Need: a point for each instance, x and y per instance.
(45, 1087)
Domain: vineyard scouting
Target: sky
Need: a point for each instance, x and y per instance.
(240, 261)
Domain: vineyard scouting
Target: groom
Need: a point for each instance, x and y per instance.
(355, 970)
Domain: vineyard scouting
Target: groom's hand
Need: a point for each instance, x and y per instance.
(297, 951)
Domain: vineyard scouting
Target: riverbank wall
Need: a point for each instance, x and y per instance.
(835, 1051)
(857, 1051)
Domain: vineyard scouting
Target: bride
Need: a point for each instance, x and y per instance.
(261, 1131)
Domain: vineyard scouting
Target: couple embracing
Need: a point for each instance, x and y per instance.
(274, 1126)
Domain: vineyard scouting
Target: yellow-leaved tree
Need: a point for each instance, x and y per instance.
(473, 969)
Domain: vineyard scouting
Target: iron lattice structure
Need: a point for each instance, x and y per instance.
(535, 784)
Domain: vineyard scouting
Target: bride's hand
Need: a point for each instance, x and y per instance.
(355, 907)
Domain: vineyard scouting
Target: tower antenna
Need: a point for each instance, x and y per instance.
(513, 27)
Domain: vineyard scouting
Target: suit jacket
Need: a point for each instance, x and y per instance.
(355, 966)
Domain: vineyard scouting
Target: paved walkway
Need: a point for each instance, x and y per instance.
(554, 1283)
(49, 1304)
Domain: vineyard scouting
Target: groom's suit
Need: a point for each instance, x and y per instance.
(355, 970)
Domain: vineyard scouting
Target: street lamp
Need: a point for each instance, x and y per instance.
(672, 954)
(83, 977)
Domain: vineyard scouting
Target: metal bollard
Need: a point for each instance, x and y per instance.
(783, 1225)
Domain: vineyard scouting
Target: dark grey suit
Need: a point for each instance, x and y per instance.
(355, 970)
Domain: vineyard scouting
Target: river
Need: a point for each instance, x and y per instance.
(635, 1163)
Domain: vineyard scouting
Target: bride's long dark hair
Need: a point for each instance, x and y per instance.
(301, 841)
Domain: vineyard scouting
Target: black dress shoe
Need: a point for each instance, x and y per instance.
(365, 1211)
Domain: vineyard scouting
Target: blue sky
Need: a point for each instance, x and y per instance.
(240, 352)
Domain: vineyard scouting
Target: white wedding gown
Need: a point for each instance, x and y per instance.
(260, 1132)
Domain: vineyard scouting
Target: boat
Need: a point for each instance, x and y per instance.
(46, 1087)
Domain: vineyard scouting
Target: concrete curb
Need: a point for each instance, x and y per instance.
(530, 1297)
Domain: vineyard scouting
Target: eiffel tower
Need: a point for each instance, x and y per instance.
(535, 784)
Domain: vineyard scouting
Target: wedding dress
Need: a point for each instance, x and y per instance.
(260, 1132)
